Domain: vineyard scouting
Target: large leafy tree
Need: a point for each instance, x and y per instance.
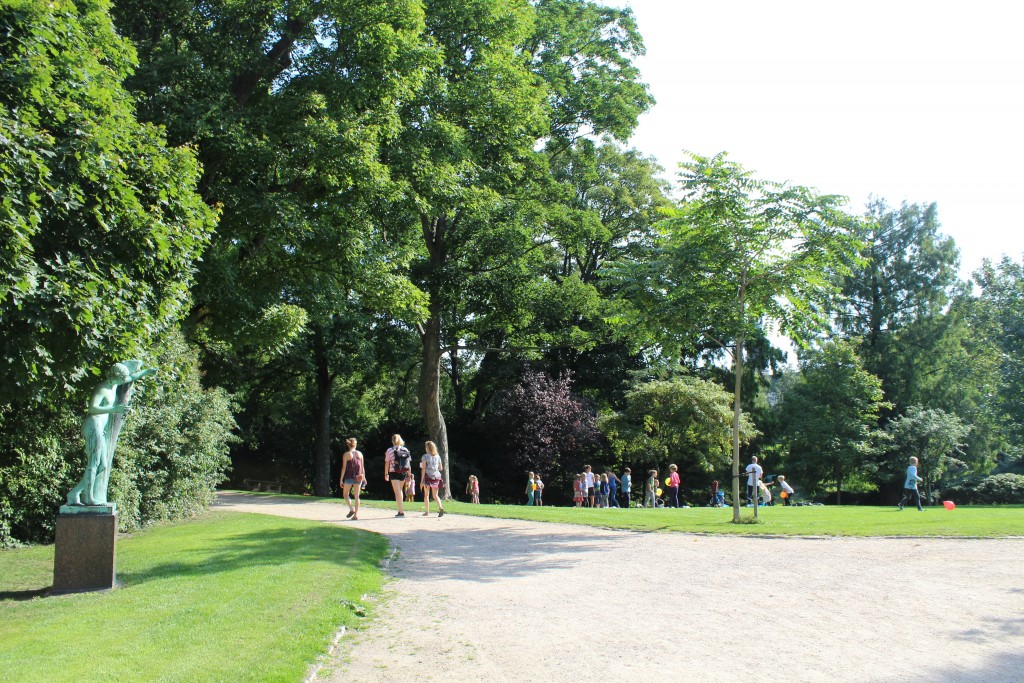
(1001, 310)
(100, 218)
(831, 415)
(896, 294)
(287, 103)
(738, 253)
(511, 77)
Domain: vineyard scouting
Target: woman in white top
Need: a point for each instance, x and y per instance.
(430, 477)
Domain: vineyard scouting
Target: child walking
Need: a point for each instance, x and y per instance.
(577, 491)
(538, 496)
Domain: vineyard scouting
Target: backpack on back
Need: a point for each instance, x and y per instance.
(402, 459)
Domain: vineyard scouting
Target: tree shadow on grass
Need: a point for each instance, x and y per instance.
(23, 595)
(269, 548)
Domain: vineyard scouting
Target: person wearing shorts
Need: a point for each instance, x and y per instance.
(397, 466)
(352, 477)
(430, 478)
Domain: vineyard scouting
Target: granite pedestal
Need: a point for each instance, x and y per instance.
(85, 551)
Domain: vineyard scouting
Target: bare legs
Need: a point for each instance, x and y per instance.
(346, 489)
(397, 486)
(427, 490)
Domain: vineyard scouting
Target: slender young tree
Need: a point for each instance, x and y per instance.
(739, 252)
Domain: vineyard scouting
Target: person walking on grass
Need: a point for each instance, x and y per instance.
(352, 477)
(538, 496)
(531, 488)
(430, 478)
(397, 466)
(651, 489)
(627, 485)
(577, 490)
(910, 491)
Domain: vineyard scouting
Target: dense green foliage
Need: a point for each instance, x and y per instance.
(172, 452)
(100, 219)
(226, 597)
(368, 218)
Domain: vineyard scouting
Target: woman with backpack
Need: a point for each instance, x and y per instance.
(397, 466)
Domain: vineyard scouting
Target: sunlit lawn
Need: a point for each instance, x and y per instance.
(227, 597)
(827, 520)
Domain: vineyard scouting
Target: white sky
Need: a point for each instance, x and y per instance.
(908, 100)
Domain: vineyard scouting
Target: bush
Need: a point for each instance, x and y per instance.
(998, 489)
(172, 452)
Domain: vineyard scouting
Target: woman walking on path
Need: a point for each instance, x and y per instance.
(910, 491)
(531, 487)
(397, 466)
(352, 476)
(430, 478)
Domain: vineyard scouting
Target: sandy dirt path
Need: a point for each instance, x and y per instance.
(477, 599)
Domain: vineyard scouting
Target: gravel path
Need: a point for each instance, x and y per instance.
(478, 599)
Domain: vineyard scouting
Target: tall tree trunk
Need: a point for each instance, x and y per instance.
(435, 234)
(737, 366)
(429, 392)
(322, 446)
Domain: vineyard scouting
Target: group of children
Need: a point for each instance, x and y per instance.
(601, 490)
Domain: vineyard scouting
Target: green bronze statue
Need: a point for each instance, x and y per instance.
(107, 407)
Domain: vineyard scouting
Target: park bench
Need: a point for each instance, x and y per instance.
(261, 485)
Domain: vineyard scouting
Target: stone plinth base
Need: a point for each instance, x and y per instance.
(85, 553)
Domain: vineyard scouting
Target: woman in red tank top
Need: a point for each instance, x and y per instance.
(352, 476)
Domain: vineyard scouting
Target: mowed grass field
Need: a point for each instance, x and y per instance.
(225, 597)
(826, 520)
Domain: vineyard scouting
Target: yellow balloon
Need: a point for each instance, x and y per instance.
(658, 492)
(668, 482)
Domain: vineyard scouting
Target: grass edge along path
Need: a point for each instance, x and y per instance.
(996, 521)
(225, 596)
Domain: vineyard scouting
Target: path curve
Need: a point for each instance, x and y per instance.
(480, 599)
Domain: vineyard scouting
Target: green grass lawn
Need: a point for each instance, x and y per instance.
(828, 520)
(226, 597)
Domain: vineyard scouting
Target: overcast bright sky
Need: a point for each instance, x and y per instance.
(904, 99)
